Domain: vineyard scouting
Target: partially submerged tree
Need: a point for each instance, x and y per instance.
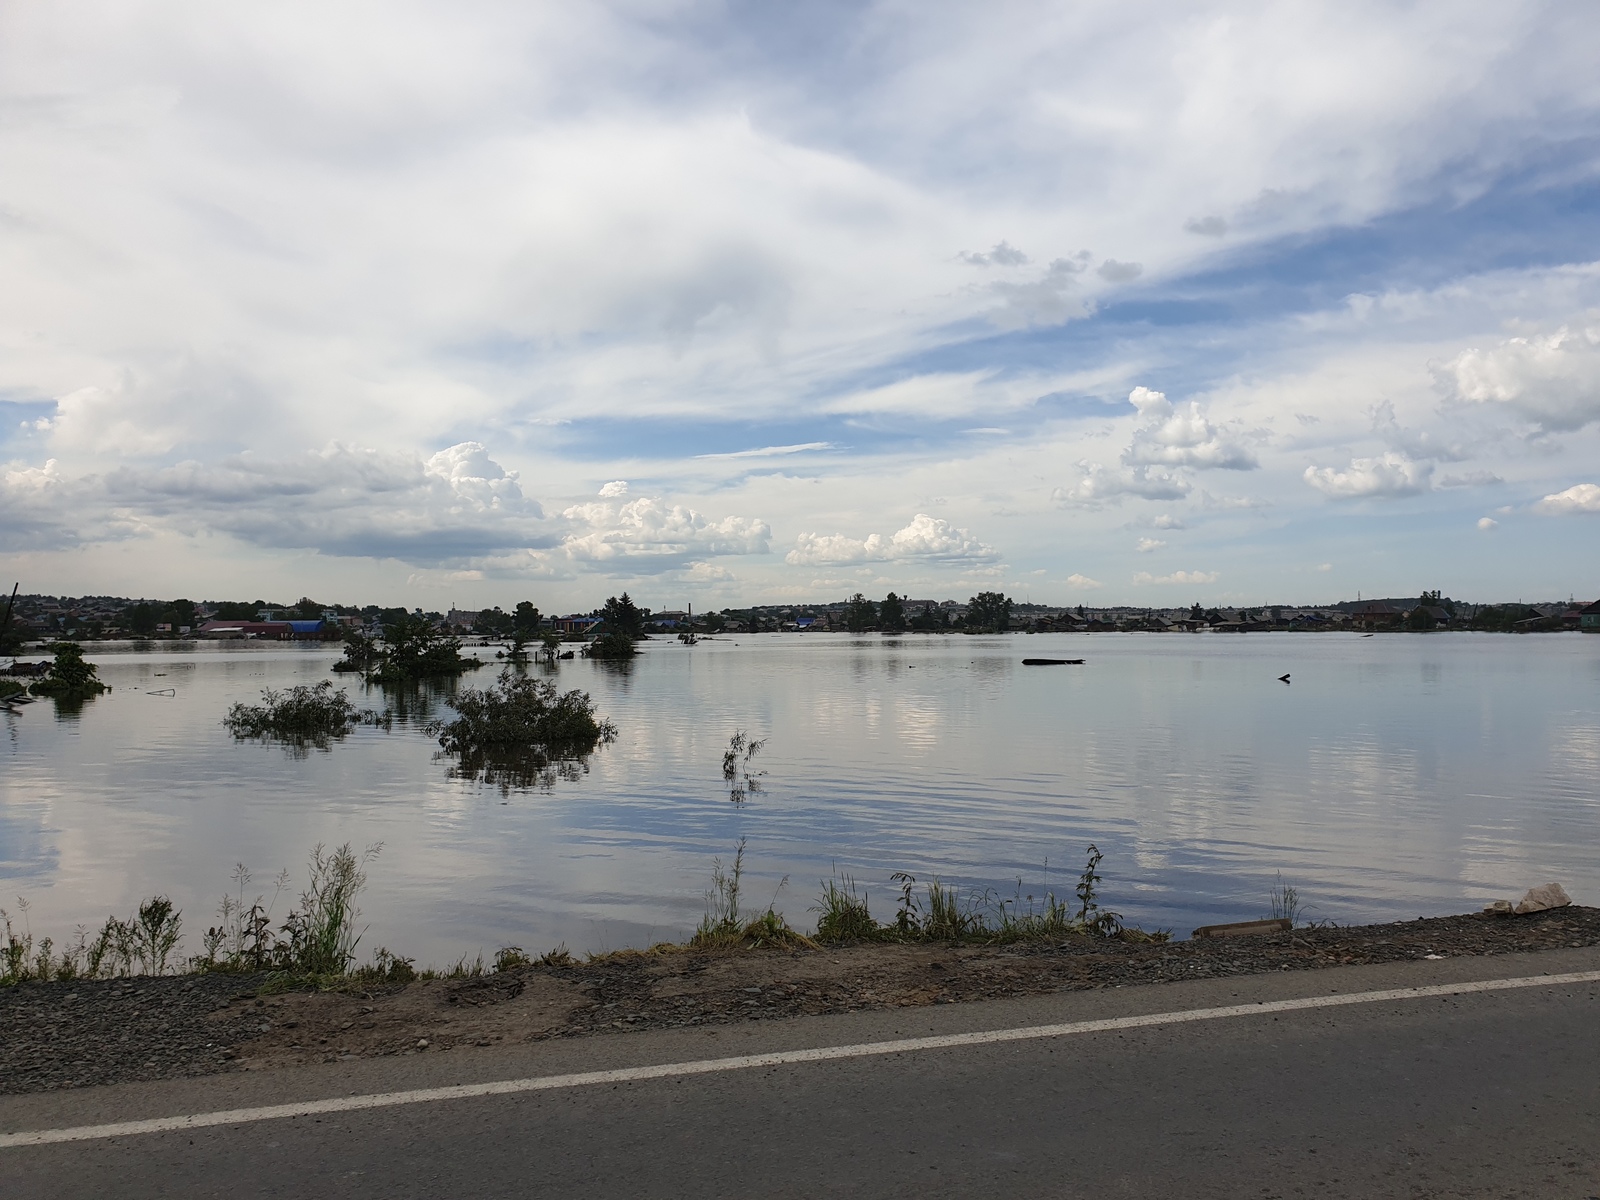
(859, 614)
(361, 653)
(413, 649)
(69, 677)
(622, 615)
(892, 615)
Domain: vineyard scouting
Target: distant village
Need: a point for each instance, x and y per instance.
(42, 618)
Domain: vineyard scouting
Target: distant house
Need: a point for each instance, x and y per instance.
(1376, 614)
(310, 631)
(263, 630)
(1589, 618)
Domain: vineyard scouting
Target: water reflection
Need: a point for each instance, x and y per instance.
(519, 770)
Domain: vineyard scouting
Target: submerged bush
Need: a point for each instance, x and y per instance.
(521, 731)
(613, 645)
(302, 716)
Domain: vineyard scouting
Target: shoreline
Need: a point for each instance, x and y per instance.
(65, 1034)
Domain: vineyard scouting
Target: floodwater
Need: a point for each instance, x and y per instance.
(1394, 776)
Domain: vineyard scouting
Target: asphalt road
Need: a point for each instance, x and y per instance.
(1487, 1094)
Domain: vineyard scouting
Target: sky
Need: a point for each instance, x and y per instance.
(722, 303)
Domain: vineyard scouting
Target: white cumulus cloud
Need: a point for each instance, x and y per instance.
(1181, 437)
(1579, 498)
(1389, 475)
(1149, 545)
(649, 534)
(1551, 379)
(1488, 523)
(925, 538)
(1099, 485)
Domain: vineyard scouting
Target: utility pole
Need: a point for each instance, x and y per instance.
(5, 626)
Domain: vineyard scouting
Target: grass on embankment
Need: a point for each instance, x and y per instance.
(315, 944)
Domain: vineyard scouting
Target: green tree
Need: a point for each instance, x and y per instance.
(494, 621)
(237, 610)
(892, 615)
(141, 618)
(525, 619)
(623, 616)
(859, 614)
(307, 609)
(714, 622)
(414, 649)
(988, 612)
(69, 678)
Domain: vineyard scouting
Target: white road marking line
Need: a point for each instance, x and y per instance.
(777, 1058)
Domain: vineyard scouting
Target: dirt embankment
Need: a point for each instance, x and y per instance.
(75, 1034)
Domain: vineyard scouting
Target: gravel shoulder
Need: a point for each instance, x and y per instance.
(83, 1033)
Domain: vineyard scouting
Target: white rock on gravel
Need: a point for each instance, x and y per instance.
(1549, 895)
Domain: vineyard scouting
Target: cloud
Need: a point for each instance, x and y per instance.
(1046, 300)
(1143, 577)
(1174, 438)
(343, 501)
(1552, 380)
(1212, 227)
(1168, 521)
(1579, 498)
(1148, 545)
(1100, 485)
(772, 451)
(926, 538)
(649, 535)
(705, 572)
(1083, 583)
(1113, 271)
(1004, 254)
(1488, 523)
(1470, 479)
(41, 509)
(1324, 567)
(455, 510)
(1388, 476)
(1413, 443)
